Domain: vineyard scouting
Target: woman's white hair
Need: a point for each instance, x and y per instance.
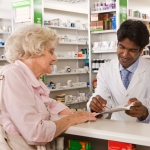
(29, 41)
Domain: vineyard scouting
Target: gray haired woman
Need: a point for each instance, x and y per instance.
(26, 106)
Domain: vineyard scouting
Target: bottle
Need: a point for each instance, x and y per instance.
(93, 64)
(51, 82)
(54, 69)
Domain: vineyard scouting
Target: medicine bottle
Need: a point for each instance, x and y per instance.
(93, 64)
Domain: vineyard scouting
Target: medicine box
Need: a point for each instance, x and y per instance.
(107, 16)
(136, 14)
(78, 145)
(113, 145)
(96, 17)
(113, 22)
(96, 26)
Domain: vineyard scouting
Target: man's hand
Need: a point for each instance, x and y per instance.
(137, 110)
(97, 104)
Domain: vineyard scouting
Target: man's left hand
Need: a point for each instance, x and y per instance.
(137, 110)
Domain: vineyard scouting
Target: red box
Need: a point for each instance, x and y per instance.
(113, 145)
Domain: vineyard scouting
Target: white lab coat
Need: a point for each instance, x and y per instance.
(111, 88)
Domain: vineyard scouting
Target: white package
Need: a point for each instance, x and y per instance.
(105, 45)
(116, 109)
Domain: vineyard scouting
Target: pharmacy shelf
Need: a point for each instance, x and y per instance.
(105, 51)
(71, 73)
(76, 103)
(71, 88)
(5, 33)
(28, 20)
(103, 31)
(61, 27)
(147, 56)
(72, 43)
(135, 18)
(3, 59)
(104, 11)
(65, 58)
(95, 71)
(58, 5)
(2, 46)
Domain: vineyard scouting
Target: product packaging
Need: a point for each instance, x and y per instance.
(113, 145)
(96, 17)
(79, 145)
(107, 16)
(136, 14)
(92, 26)
(113, 22)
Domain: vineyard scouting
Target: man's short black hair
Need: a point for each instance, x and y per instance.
(135, 31)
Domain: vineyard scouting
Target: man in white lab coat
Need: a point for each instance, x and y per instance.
(125, 79)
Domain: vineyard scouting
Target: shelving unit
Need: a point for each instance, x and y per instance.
(52, 10)
(5, 20)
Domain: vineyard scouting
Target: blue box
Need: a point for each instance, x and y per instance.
(113, 22)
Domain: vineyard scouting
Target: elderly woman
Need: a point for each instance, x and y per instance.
(26, 106)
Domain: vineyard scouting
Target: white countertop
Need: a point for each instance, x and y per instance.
(128, 132)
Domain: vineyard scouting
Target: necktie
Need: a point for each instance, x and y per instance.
(124, 76)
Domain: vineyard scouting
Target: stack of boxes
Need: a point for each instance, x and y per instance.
(102, 22)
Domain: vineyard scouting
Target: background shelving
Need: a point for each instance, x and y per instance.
(71, 73)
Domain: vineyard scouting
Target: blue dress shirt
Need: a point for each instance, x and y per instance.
(132, 69)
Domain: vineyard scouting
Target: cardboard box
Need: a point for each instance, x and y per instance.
(107, 16)
(79, 145)
(96, 26)
(113, 22)
(96, 17)
(105, 25)
(113, 145)
(92, 26)
(109, 24)
(99, 25)
(136, 14)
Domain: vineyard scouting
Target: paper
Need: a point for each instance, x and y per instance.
(115, 109)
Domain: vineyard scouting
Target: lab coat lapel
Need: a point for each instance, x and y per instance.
(122, 89)
(136, 77)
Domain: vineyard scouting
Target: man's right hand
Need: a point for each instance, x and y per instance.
(97, 104)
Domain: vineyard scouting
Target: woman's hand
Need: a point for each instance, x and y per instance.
(66, 111)
(82, 116)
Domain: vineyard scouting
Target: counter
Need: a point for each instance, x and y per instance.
(128, 132)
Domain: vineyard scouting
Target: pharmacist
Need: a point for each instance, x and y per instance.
(126, 78)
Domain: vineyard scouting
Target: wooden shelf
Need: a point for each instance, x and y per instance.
(104, 11)
(61, 27)
(103, 31)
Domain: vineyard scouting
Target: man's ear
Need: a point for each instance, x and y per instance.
(141, 50)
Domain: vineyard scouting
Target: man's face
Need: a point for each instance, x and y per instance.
(128, 52)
